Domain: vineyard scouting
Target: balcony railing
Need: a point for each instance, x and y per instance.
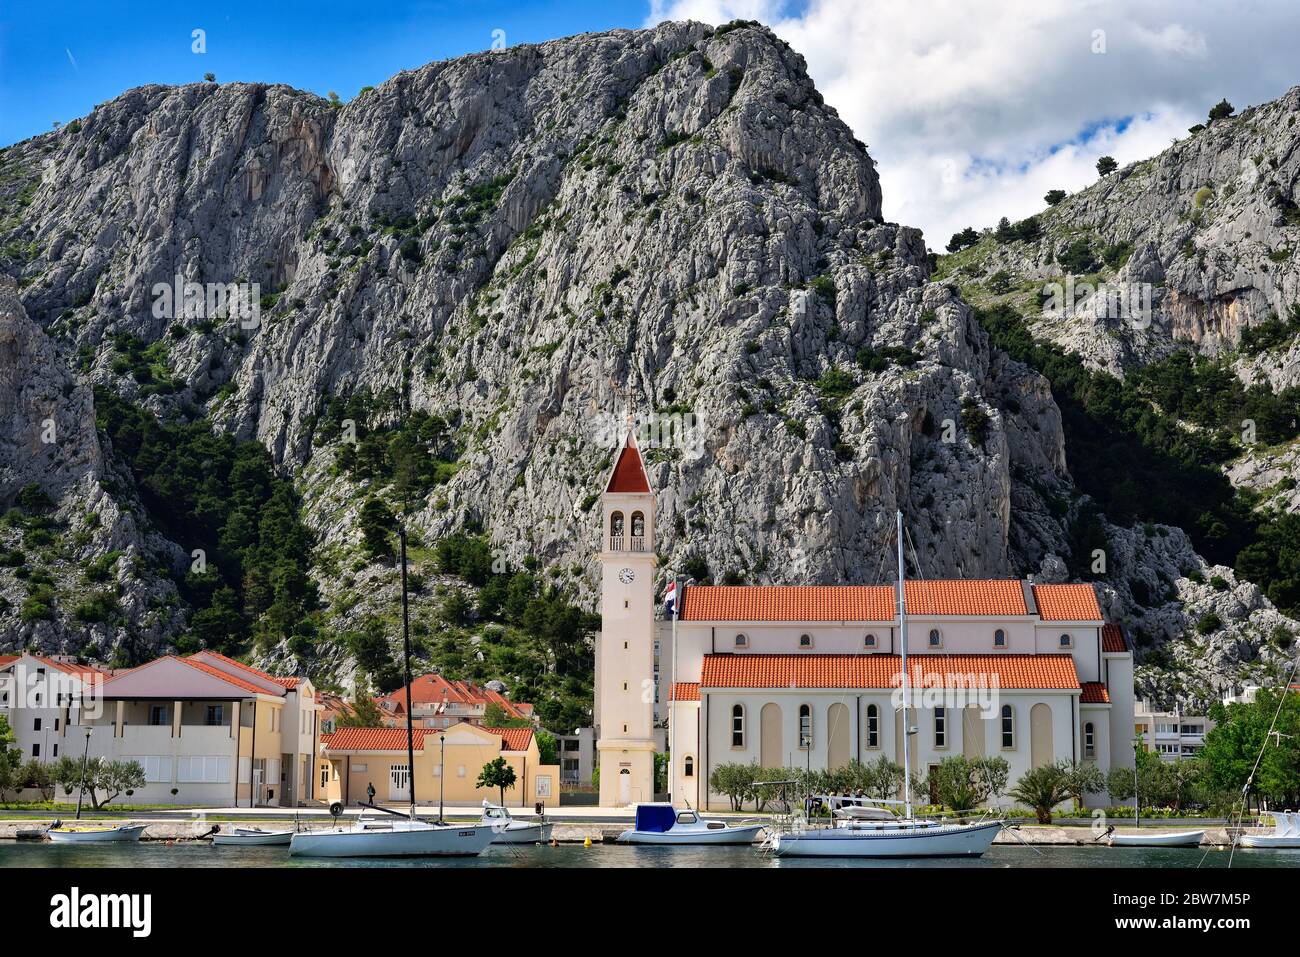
(627, 543)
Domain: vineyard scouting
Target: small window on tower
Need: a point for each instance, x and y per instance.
(869, 641)
(742, 641)
(805, 641)
(936, 639)
(999, 639)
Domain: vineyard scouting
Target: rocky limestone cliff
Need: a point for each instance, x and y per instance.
(527, 243)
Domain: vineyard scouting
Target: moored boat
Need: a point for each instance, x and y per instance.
(1285, 833)
(904, 837)
(250, 837)
(663, 824)
(1158, 839)
(510, 831)
(123, 834)
(401, 837)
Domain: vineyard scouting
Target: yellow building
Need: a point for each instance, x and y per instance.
(446, 762)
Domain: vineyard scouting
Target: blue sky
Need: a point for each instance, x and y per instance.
(319, 46)
(973, 110)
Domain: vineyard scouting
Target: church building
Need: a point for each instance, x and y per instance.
(809, 676)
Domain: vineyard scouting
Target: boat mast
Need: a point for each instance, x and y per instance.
(902, 635)
(406, 626)
(406, 656)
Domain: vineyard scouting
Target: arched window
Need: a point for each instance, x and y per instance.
(742, 641)
(805, 726)
(940, 728)
(869, 641)
(1008, 727)
(936, 640)
(999, 639)
(638, 525)
(616, 525)
(873, 726)
(737, 726)
(1067, 641)
(805, 641)
(688, 767)
(1089, 741)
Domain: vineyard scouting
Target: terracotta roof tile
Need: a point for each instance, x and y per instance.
(1053, 672)
(1112, 639)
(223, 675)
(1076, 602)
(372, 739)
(1094, 692)
(513, 739)
(629, 474)
(686, 691)
(978, 597)
(394, 739)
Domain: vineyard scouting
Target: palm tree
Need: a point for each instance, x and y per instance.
(1047, 785)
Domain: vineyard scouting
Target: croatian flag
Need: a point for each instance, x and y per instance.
(670, 600)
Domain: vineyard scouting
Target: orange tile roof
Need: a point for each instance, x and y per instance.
(513, 739)
(686, 691)
(288, 682)
(218, 673)
(629, 473)
(433, 688)
(8, 659)
(979, 597)
(372, 739)
(394, 739)
(1112, 639)
(1052, 671)
(1076, 602)
(1094, 692)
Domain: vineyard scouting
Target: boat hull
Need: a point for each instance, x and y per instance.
(743, 834)
(247, 837)
(1164, 839)
(1270, 840)
(522, 833)
(467, 841)
(945, 841)
(128, 834)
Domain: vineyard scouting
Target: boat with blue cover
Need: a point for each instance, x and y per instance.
(664, 824)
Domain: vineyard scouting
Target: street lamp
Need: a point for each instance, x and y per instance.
(82, 789)
(442, 772)
(1137, 803)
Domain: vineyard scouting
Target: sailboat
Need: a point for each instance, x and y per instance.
(865, 827)
(396, 834)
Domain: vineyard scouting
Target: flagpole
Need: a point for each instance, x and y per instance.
(672, 700)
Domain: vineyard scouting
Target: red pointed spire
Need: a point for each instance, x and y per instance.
(629, 472)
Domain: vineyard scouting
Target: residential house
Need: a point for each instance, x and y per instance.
(447, 764)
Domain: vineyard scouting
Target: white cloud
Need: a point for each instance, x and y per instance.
(974, 110)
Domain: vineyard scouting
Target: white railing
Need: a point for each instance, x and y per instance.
(622, 543)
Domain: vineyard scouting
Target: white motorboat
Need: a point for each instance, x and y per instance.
(399, 837)
(1158, 839)
(662, 824)
(1285, 834)
(250, 837)
(854, 830)
(510, 831)
(124, 834)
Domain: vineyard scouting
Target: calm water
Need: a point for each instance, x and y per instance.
(154, 854)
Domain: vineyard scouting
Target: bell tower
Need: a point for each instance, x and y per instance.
(625, 671)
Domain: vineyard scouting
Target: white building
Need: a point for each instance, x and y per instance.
(806, 676)
(37, 692)
(1171, 734)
